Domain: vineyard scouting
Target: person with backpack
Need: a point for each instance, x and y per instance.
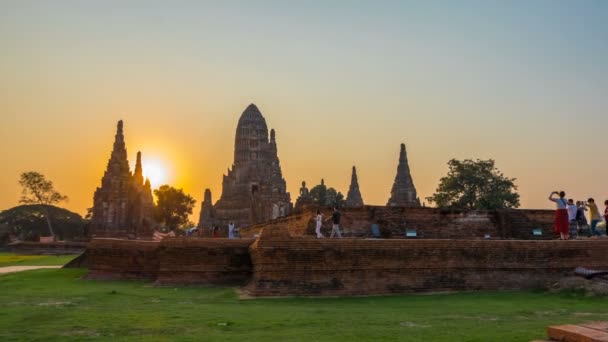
(561, 214)
(581, 220)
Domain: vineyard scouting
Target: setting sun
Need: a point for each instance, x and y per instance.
(156, 171)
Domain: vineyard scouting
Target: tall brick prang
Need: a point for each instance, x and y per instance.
(253, 190)
(123, 205)
(353, 198)
(403, 193)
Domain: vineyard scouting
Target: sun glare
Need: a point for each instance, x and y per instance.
(156, 171)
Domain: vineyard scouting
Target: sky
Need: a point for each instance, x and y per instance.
(342, 82)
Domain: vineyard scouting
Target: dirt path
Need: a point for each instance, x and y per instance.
(11, 269)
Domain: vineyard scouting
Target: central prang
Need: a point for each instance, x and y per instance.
(254, 190)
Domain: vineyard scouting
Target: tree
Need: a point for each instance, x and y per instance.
(324, 196)
(38, 190)
(28, 223)
(173, 206)
(475, 184)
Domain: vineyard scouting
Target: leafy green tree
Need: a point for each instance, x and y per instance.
(328, 197)
(475, 184)
(173, 206)
(36, 189)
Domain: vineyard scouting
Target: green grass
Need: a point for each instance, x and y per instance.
(11, 259)
(55, 304)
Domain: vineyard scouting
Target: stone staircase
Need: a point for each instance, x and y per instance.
(583, 332)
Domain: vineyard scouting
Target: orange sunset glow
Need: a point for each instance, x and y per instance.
(458, 88)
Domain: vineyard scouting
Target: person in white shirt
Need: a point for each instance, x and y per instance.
(572, 209)
(231, 230)
(319, 223)
(573, 226)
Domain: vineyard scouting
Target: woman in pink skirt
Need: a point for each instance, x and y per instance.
(561, 214)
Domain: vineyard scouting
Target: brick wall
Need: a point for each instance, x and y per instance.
(429, 223)
(307, 266)
(204, 261)
(122, 259)
(172, 261)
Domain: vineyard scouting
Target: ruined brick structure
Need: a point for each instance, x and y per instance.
(207, 210)
(403, 193)
(254, 190)
(279, 263)
(123, 204)
(353, 198)
(426, 223)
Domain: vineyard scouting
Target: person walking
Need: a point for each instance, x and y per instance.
(561, 214)
(231, 230)
(216, 232)
(594, 216)
(335, 218)
(319, 223)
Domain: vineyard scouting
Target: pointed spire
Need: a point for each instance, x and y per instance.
(207, 211)
(138, 174)
(119, 151)
(272, 137)
(147, 184)
(403, 154)
(322, 181)
(353, 198)
(403, 193)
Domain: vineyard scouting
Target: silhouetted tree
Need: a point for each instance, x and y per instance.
(475, 184)
(327, 197)
(27, 222)
(173, 206)
(36, 189)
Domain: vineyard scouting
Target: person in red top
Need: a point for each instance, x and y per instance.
(606, 210)
(562, 224)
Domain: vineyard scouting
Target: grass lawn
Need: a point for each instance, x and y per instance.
(11, 259)
(54, 304)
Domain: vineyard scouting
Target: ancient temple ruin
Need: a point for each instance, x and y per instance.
(207, 210)
(403, 193)
(123, 205)
(253, 190)
(353, 198)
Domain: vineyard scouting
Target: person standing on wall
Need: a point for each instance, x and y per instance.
(335, 218)
(606, 214)
(572, 226)
(561, 214)
(594, 216)
(319, 223)
(231, 230)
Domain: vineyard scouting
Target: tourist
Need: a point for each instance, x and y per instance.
(335, 229)
(594, 216)
(216, 232)
(231, 230)
(572, 225)
(319, 224)
(606, 214)
(561, 214)
(581, 220)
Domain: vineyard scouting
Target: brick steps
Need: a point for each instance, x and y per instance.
(584, 332)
